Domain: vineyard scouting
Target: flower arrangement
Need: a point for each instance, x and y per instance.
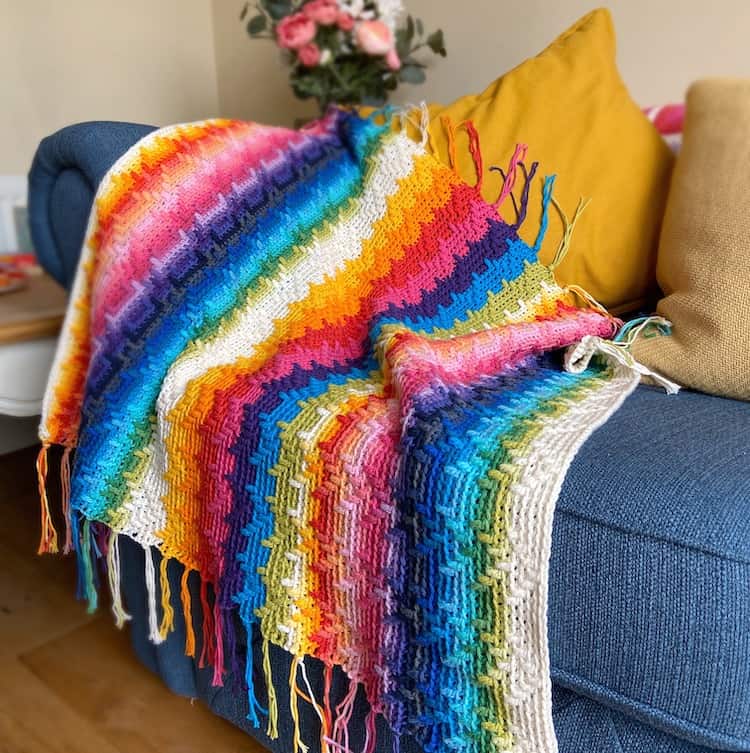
(345, 51)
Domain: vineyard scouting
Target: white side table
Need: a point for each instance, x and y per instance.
(29, 322)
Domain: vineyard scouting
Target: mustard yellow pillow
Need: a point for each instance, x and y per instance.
(571, 107)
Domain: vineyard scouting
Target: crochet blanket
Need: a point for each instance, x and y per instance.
(316, 368)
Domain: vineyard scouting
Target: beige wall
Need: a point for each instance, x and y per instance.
(663, 45)
(63, 61)
(165, 61)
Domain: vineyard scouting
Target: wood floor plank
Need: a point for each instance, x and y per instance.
(70, 683)
(33, 719)
(35, 607)
(93, 668)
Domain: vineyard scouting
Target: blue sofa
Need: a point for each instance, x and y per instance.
(649, 603)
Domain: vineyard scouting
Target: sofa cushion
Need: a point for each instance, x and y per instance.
(649, 605)
(585, 726)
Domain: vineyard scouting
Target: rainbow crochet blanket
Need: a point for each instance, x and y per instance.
(316, 368)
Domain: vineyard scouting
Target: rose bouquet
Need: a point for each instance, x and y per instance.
(345, 51)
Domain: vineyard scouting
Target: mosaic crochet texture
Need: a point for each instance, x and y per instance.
(317, 368)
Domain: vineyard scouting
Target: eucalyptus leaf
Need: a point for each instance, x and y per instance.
(277, 9)
(410, 28)
(403, 43)
(256, 25)
(436, 42)
(420, 26)
(412, 74)
(245, 9)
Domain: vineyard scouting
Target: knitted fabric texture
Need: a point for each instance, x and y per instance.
(319, 369)
(703, 264)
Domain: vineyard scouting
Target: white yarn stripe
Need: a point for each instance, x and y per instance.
(143, 511)
(542, 466)
(154, 635)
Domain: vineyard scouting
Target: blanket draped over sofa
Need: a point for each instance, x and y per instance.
(318, 369)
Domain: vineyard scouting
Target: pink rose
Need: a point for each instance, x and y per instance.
(392, 60)
(309, 55)
(373, 37)
(344, 21)
(295, 31)
(323, 12)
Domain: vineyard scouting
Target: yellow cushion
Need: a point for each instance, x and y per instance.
(571, 107)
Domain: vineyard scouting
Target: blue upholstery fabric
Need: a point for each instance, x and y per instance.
(63, 179)
(649, 605)
(582, 725)
(650, 573)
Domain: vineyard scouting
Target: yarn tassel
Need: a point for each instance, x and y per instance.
(344, 712)
(272, 730)
(510, 179)
(593, 303)
(450, 134)
(231, 656)
(528, 178)
(48, 540)
(187, 611)
(207, 643)
(65, 493)
(578, 356)
(475, 150)
(114, 575)
(327, 710)
(569, 227)
(218, 645)
(310, 698)
(548, 186)
(370, 732)
(297, 744)
(167, 612)
(153, 619)
(633, 329)
(87, 568)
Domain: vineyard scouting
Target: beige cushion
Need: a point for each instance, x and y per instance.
(703, 263)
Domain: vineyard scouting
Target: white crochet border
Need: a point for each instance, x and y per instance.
(543, 465)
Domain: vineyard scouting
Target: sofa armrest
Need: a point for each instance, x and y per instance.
(64, 176)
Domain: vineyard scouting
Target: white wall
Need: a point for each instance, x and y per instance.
(663, 46)
(62, 61)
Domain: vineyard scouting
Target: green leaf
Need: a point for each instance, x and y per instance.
(256, 25)
(420, 26)
(436, 42)
(245, 9)
(403, 43)
(412, 74)
(277, 9)
(410, 28)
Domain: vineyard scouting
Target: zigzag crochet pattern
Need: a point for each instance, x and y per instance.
(318, 369)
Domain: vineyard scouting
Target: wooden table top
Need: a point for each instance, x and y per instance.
(33, 312)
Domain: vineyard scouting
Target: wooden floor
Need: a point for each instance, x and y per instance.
(69, 682)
